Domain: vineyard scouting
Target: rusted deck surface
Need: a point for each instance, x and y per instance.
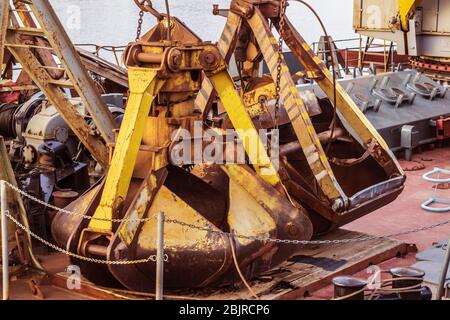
(316, 266)
(406, 213)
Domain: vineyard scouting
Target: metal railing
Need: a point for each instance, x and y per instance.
(112, 54)
(362, 50)
(105, 52)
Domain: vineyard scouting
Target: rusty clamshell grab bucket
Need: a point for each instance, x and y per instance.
(247, 206)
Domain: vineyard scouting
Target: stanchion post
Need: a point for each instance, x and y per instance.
(160, 257)
(443, 278)
(4, 221)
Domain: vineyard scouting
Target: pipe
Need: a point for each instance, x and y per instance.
(441, 286)
(324, 137)
(160, 258)
(153, 58)
(97, 250)
(5, 264)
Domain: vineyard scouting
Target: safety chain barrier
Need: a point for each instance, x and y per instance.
(71, 213)
(309, 242)
(151, 258)
(195, 227)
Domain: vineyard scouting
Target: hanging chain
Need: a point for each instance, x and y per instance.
(219, 232)
(267, 239)
(70, 213)
(151, 258)
(283, 5)
(139, 27)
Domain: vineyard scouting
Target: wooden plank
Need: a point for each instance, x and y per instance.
(315, 267)
(320, 277)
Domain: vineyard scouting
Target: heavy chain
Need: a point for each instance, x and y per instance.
(309, 242)
(71, 213)
(222, 233)
(151, 258)
(139, 27)
(271, 240)
(283, 5)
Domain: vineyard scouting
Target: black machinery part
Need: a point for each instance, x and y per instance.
(7, 128)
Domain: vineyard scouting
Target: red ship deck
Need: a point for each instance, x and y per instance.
(406, 214)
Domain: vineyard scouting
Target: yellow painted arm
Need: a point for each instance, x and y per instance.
(405, 7)
(143, 86)
(253, 145)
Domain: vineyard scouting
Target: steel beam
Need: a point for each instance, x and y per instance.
(29, 28)
(160, 258)
(17, 207)
(76, 72)
(248, 134)
(296, 109)
(58, 99)
(404, 8)
(144, 86)
(4, 21)
(362, 129)
(5, 255)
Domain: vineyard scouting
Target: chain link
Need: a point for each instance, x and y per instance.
(237, 236)
(151, 258)
(139, 27)
(71, 213)
(309, 242)
(271, 240)
(283, 5)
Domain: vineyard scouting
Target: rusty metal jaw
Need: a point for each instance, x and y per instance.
(249, 20)
(351, 116)
(253, 209)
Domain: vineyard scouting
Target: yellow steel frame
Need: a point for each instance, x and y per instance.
(294, 105)
(144, 85)
(298, 113)
(242, 122)
(296, 109)
(4, 20)
(404, 8)
(359, 124)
